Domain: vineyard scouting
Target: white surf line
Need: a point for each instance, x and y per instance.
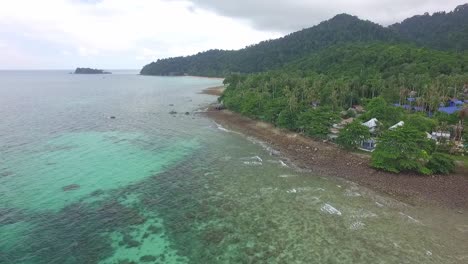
(330, 209)
(284, 164)
(411, 218)
(253, 163)
(220, 127)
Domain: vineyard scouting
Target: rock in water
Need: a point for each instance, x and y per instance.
(70, 187)
(90, 71)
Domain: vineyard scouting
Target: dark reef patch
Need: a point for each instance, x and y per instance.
(11, 216)
(148, 258)
(6, 174)
(70, 187)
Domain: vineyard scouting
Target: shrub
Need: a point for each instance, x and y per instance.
(441, 163)
(352, 134)
(386, 114)
(403, 149)
(317, 122)
(287, 119)
(420, 122)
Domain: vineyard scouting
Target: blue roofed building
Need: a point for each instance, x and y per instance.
(451, 106)
(454, 102)
(449, 109)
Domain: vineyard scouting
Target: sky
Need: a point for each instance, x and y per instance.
(127, 34)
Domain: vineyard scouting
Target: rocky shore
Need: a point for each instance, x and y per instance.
(327, 159)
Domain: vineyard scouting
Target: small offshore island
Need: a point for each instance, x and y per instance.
(90, 71)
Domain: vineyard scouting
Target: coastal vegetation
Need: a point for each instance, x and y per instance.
(410, 78)
(352, 135)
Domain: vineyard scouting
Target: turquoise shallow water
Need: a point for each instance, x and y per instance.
(151, 187)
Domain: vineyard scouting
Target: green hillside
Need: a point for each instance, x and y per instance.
(272, 54)
(443, 31)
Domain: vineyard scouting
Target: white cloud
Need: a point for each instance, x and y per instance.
(121, 28)
(292, 15)
(130, 33)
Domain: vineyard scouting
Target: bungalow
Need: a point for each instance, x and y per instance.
(370, 144)
(454, 102)
(428, 136)
(453, 105)
(399, 124)
(409, 107)
(449, 109)
(438, 136)
(371, 124)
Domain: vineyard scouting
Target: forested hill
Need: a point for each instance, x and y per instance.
(440, 31)
(345, 75)
(444, 31)
(272, 54)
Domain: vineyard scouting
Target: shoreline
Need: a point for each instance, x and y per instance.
(327, 159)
(216, 91)
(205, 77)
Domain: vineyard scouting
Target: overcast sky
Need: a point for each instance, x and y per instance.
(127, 34)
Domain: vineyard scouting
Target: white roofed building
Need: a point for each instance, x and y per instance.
(397, 125)
(371, 124)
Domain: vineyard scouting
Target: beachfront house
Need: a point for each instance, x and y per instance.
(453, 105)
(440, 136)
(454, 102)
(370, 144)
(372, 125)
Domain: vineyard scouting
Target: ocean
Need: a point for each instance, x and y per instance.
(96, 169)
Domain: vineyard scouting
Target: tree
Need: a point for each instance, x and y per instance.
(403, 149)
(317, 122)
(352, 135)
(420, 122)
(441, 163)
(386, 114)
(287, 119)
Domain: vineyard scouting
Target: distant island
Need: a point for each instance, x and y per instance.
(90, 71)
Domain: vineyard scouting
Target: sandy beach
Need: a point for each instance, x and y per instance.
(327, 159)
